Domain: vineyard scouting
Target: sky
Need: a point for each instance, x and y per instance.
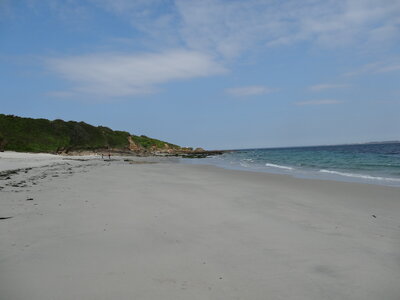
(208, 73)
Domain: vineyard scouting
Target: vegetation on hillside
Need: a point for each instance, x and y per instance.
(41, 135)
(148, 143)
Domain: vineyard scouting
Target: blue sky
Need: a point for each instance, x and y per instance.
(215, 74)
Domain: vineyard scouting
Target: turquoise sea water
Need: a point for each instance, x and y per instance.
(369, 163)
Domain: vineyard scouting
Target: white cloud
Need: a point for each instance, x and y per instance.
(365, 69)
(326, 86)
(230, 28)
(215, 33)
(249, 91)
(115, 75)
(376, 67)
(318, 102)
(390, 68)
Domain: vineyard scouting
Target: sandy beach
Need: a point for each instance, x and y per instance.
(85, 228)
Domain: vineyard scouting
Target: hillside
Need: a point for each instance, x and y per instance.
(58, 136)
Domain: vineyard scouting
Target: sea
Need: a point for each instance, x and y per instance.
(374, 163)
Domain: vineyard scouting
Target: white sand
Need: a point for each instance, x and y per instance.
(10, 160)
(15, 160)
(113, 230)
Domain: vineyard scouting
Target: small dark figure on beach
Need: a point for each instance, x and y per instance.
(109, 155)
(102, 156)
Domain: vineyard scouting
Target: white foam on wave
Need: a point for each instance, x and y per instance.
(248, 159)
(359, 175)
(278, 166)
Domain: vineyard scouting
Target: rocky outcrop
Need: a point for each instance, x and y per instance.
(200, 154)
(133, 146)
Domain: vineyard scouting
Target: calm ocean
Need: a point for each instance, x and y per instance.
(368, 163)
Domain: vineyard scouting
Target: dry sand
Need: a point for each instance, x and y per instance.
(118, 230)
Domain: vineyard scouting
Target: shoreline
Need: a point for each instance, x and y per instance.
(322, 174)
(27, 160)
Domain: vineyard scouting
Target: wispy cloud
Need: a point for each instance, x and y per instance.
(233, 27)
(230, 28)
(318, 102)
(214, 33)
(375, 68)
(326, 86)
(390, 68)
(116, 75)
(253, 90)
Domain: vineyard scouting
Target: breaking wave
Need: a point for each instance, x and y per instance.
(278, 166)
(360, 175)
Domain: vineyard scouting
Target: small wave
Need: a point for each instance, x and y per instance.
(359, 175)
(278, 166)
(248, 159)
